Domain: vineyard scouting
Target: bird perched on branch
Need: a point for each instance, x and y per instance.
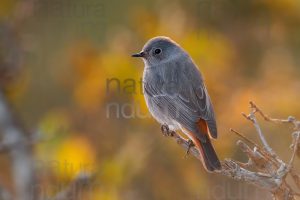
(176, 96)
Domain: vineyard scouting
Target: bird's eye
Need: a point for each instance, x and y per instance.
(157, 51)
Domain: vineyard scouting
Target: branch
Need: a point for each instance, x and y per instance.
(13, 135)
(296, 136)
(21, 158)
(268, 171)
(295, 146)
(230, 168)
(253, 119)
(289, 120)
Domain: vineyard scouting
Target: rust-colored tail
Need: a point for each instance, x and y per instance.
(209, 157)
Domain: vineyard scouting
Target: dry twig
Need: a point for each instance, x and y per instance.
(22, 161)
(270, 171)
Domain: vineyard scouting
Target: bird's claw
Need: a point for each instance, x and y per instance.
(166, 131)
(190, 145)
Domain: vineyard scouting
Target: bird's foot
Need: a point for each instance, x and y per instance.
(166, 131)
(190, 145)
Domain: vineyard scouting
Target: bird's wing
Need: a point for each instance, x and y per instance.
(186, 101)
(195, 96)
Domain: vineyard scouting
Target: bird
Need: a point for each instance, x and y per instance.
(176, 96)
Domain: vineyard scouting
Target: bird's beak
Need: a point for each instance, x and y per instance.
(141, 54)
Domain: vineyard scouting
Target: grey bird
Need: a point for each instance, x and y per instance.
(176, 95)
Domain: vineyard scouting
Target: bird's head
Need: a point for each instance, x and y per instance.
(159, 50)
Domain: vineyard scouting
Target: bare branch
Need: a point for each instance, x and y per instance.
(296, 136)
(244, 137)
(254, 121)
(260, 149)
(289, 120)
(22, 162)
(231, 169)
(270, 171)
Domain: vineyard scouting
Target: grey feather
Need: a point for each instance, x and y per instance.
(175, 92)
(174, 89)
(176, 95)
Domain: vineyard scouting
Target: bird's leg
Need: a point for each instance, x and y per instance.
(166, 131)
(190, 145)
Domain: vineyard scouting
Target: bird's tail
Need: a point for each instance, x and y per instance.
(203, 143)
(209, 157)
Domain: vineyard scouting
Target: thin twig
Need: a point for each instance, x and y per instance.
(262, 151)
(243, 137)
(289, 120)
(296, 136)
(254, 121)
(22, 161)
(271, 171)
(295, 177)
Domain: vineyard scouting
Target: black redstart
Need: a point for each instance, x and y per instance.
(176, 96)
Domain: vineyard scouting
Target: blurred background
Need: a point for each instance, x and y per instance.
(66, 70)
